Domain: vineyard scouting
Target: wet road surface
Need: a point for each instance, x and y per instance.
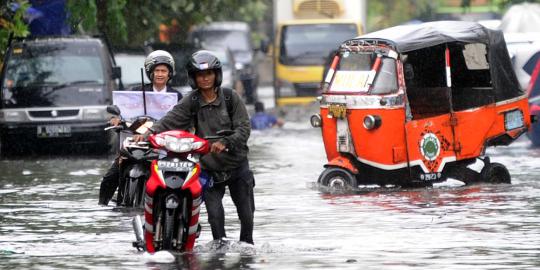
(49, 217)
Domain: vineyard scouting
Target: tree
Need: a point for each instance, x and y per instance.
(12, 22)
(134, 22)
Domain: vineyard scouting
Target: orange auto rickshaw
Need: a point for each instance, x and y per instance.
(414, 105)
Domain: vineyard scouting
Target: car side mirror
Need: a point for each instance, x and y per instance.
(116, 72)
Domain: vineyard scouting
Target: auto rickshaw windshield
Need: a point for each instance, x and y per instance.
(365, 73)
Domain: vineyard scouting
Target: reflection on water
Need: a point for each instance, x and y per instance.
(49, 217)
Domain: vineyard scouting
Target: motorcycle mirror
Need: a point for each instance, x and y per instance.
(113, 109)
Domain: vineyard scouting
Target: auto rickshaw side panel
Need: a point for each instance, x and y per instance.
(382, 147)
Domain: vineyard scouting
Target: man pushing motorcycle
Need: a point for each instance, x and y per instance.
(208, 109)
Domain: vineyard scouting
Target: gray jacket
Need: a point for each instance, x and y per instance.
(211, 118)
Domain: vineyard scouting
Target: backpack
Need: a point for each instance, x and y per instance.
(227, 95)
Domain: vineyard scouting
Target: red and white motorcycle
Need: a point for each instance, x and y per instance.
(173, 192)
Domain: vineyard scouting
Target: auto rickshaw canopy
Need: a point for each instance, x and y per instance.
(408, 38)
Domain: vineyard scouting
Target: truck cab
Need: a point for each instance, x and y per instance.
(55, 90)
(307, 33)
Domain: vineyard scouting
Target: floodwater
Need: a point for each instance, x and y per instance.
(49, 217)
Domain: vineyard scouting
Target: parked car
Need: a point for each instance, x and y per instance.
(131, 62)
(237, 37)
(55, 90)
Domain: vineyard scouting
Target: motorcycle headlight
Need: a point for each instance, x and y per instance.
(179, 145)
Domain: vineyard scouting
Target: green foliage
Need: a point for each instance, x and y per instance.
(12, 23)
(386, 13)
(134, 22)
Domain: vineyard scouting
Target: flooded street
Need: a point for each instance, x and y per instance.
(49, 217)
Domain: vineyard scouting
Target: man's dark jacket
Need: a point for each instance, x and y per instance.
(211, 118)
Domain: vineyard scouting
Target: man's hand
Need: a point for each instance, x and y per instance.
(217, 147)
(115, 121)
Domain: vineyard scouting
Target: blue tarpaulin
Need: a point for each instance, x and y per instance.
(48, 17)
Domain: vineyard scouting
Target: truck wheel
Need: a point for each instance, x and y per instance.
(495, 173)
(337, 178)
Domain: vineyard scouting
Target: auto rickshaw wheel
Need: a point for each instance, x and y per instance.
(337, 178)
(495, 173)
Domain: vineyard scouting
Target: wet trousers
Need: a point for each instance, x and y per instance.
(109, 183)
(240, 185)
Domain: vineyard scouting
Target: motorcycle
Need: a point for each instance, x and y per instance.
(134, 165)
(172, 214)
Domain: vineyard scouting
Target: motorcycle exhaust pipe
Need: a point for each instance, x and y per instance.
(138, 228)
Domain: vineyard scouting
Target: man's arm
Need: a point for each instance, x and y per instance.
(177, 118)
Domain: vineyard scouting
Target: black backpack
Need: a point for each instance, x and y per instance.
(227, 95)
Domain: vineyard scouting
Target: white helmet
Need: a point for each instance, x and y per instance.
(158, 57)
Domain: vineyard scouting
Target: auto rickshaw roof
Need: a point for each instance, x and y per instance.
(406, 38)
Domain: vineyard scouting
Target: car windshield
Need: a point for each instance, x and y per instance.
(234, 40)
(310, 44)
(61, 74)
(357, 72)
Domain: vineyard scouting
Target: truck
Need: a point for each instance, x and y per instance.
(306, 34)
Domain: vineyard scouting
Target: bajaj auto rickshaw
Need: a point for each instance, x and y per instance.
(414, 105)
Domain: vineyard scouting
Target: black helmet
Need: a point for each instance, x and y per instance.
(203, 60)
(158, 57)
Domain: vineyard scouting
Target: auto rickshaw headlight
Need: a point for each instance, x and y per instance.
(316, 120)
(372, 122)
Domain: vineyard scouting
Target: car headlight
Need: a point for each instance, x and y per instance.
(179, 145)
(13, 116)
(94, 114)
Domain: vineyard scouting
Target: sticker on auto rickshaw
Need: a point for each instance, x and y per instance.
(350, 81)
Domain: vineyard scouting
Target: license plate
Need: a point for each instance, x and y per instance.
(175, 166)
(338, 110)
(430, 176)
(53, 131)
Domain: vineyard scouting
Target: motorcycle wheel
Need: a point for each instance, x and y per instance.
(127, 198)
(495, 173)
(133, 197)
(168, 229)
(337, 178)
(139, 193)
